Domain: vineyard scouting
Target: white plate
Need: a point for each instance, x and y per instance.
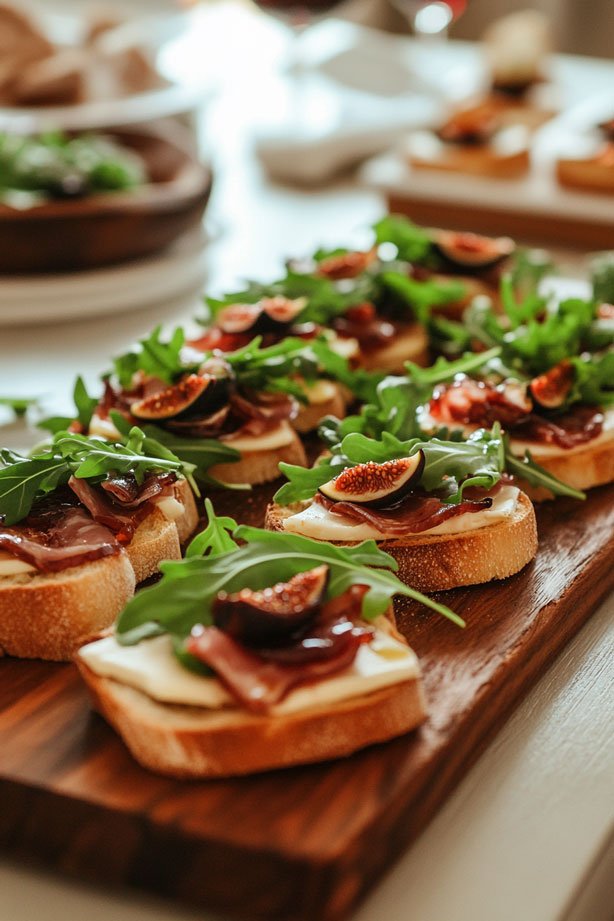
(133, 286)
(170, 40)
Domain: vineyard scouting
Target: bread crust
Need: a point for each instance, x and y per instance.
(257, 467)
(589, 175)
(188, 522)
(481, 160)
(188, 742)
(581, 469)
(155, 539)
(49, 615)
(443, 561)
(310, 416)
(411, 344)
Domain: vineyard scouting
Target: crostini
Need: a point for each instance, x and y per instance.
(278, 651)
(81, 522)
(547, 378)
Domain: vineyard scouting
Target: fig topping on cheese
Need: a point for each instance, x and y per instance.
(376, 485)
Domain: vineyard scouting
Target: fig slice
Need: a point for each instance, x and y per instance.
(238, 318)
(472, 251)
(550, 390)
(282, 310)
(376, 485)
(195, 394)
(272, 615)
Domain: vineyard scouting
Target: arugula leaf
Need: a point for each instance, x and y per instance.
(421, 296)
(526, 469)
(412, 242)
(217, 536)
(85, 406)
(23, 481)
(19, 405)
(529, 267)
(159, 358)
(602, 277)
(184, 596)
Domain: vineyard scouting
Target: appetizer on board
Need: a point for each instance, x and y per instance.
(279, 650)
(82, 522)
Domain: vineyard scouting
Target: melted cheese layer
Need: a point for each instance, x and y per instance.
(278, 437)
(152, 668)
(317, 522)
(12, 566)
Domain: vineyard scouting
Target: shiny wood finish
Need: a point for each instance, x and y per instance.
(309, 842)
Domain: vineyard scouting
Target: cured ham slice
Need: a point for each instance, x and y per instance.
(57, 538)
(411, 516)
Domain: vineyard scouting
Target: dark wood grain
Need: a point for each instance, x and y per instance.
(98, 230)
(309, 842)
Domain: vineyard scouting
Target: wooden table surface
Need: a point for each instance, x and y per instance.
(528, 834)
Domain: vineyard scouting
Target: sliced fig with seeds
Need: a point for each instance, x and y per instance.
(238, 318)
(271, 615)
(471, 251)
(196, 394)
(376, 485)
(550, 390)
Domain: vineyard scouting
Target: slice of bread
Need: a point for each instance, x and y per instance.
(260, 466)
(155, 539)
(495, 160)
(443, 561)
(49, 615)
(585, 468)
(591, 174)
(188, 522)
(411, 344)
(310, 415)
(191, 742)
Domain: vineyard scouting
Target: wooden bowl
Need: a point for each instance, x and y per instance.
(102, 229)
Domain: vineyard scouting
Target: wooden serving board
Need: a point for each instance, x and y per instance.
(306, 843)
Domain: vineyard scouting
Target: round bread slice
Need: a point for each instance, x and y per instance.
(310, 415)
(191, 742)
(155, 539)
(49, 615)
(591, 174)
(443, 561)
(188, 522)
(411, 344)
(581, 468)
(257, 467)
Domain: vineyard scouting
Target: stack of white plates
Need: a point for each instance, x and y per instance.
(77, 295)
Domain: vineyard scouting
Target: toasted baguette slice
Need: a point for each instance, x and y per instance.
(188, 522)
(444, 561)
(49, 615)
(496, 160)
(155, 539)
(260, 466)
(592, 174)
(411, 344)
(310, 416)
(184, 742)
(581, 468)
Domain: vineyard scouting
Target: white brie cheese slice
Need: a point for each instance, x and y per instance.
(104, 428)
(278, 437)
(12, 566)
(151, 667)
(317, 522)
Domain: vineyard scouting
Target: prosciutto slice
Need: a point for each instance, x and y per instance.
(480, 403)
(130, 494)
(576, 427)
(259, 680)
(122, 521)
(58, 538)
(412, 516)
